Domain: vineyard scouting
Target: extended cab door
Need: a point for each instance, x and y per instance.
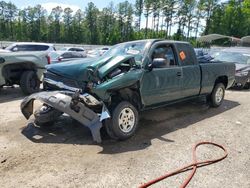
(190, 69)
(162, 83)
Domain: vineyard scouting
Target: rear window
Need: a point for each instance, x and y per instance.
(186, 54)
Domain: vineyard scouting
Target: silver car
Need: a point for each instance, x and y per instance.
(29, 46)
(63, 56)
(241, 57)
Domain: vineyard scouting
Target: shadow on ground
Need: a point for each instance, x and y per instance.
(8, 94)
(154, 124)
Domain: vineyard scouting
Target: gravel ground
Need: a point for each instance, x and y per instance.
(64, 155)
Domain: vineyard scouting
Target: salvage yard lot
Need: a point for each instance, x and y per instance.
(64, 155)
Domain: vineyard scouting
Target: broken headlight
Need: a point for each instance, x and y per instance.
(242, 73)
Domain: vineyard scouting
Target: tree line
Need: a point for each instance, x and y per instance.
(170, 19)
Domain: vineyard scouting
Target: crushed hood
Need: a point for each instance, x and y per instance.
(89, 68)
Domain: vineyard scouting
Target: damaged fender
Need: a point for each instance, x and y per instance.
(65, 102)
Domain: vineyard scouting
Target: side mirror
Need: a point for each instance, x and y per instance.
(158, 63)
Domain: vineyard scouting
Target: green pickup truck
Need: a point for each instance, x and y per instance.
(23, 68)
(111, 90)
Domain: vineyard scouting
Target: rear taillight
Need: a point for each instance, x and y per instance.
(48, 59)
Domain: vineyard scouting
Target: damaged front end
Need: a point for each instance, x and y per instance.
(74, 104)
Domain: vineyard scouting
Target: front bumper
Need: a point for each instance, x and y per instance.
(69, 103)
(242, 80)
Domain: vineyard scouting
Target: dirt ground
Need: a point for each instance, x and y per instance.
(64, 154)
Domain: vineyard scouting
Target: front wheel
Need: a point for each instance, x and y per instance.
(46, 115)
(247, 85)
(217, 96)
(124, 121)
(29, 82)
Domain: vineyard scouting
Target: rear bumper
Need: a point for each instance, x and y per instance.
(69, 103)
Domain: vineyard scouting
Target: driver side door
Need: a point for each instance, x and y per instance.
(162, 84)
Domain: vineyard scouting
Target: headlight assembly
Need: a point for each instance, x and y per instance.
(242, 73)
(2, 60)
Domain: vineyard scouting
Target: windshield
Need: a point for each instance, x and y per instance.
(10, 47)
(63, 49)
(130, 48)
(233, 57)
(54, 55)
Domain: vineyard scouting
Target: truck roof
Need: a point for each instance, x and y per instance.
(157, 40)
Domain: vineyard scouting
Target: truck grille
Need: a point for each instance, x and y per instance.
(57, 78)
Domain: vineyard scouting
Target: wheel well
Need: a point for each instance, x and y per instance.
(12, 72)
(223, 80)
(131, 95)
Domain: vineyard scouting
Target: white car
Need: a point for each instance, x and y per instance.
(98, 52)
(75, 49)
(29, 46)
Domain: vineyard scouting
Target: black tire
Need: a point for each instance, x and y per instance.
(217, 96)
(247, 86)
(46, 115)
(29, 82)
(130, 121)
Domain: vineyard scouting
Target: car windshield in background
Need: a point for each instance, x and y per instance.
(54, 55)
(130, 48)
(233, 57)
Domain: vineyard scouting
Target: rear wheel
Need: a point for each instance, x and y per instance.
(29, 82)
(217, 96)
(124, 121)
(46, 115)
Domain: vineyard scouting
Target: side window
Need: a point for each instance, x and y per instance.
(79, 50)
(41, 47)
(72, 49)
(186, 54)
(164, 56)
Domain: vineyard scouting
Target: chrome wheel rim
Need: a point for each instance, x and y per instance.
(126, 120)
(219, 95)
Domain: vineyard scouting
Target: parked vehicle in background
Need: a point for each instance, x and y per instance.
(63, 56)
(3, 50)
(74, 49)
(111, 90)
(241, 57)
(23, 68)
(97, 52)
(29, 46)
(202, 56)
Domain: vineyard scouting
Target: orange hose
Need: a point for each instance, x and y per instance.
(194, 166)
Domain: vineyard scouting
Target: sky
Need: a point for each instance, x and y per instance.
(73, 4)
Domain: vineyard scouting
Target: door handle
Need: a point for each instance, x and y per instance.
(178, 74)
